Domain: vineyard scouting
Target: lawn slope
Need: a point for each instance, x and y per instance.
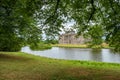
(22, 66)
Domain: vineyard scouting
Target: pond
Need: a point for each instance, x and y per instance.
(87, 54)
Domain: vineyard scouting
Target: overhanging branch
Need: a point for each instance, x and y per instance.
(93, 11)
(53, 17)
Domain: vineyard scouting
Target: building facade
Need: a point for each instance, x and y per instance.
(70, 38)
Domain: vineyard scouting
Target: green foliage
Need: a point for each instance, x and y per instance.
(114, 41)
(40, 46)
(104, 13)
(51, 41)
(95, 33)
(17, 26)
(25, 20)
(11, 44)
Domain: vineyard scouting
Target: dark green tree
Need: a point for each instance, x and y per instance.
(17, 24)
(19, 19)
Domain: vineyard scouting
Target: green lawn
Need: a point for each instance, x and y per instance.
(21, 66)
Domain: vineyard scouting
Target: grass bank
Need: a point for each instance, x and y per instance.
(70, 45)
(21, 66)
(81, 46)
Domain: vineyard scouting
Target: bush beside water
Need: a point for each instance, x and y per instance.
(40, 46)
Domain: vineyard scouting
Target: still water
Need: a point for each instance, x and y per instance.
(103, 55)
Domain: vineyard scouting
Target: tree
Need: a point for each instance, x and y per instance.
(51, 41)
(95, 33)
(17, 25)
(20, 18)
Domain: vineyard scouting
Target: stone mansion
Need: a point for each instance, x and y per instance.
(70, 38)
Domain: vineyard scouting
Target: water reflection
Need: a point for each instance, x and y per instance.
(95, 53)
(104, 55)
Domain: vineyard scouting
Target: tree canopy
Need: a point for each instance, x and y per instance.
(23, 21)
